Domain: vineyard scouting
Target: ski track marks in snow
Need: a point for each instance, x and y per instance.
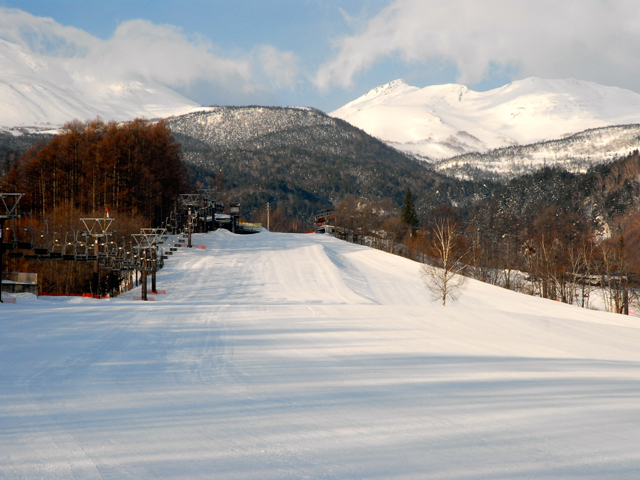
(301, 356)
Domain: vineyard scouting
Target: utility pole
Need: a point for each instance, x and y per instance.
(189, 228)
(143, 290)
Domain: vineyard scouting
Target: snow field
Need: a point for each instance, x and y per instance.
(301, 356)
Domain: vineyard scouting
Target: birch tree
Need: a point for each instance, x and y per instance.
(443, 276)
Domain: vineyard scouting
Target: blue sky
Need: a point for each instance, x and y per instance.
(324, 53)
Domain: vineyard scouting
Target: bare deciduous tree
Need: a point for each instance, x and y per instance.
(615, 279)
(443, 277)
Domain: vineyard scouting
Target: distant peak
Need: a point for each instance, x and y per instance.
(396, 82)
(386, 88)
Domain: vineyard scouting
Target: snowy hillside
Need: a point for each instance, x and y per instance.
(443, 121)
(227, 128)
(44, 92)
(299, 157)
(279, 356)
(575, 153)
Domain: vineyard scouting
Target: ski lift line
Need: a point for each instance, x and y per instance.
(97, 227)
(57, 242)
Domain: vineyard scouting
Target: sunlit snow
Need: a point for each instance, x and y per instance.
(302, 356)
(43, 92)
(442, 121)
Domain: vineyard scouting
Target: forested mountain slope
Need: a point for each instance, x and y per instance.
(576, 153)
(304, 158)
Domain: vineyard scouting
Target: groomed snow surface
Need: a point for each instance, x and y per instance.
(301, 356)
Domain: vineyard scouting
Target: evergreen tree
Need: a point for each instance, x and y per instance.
(409, 215)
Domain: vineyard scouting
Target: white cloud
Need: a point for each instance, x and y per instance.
(44, 35)
(595, 40)
(161, 53)
(280, 67)
(165, 54)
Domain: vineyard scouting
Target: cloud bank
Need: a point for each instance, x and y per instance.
(596, 40)
(191, 64)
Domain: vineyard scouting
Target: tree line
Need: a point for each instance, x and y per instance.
(544, 249)
(133, 170)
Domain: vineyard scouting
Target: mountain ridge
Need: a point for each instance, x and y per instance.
(47, 92)
(443, 121)
(574, 153)
(304, 158)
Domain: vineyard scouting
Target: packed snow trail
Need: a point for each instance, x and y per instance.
(300, 356)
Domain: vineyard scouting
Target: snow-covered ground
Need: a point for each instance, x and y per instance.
(302, 356)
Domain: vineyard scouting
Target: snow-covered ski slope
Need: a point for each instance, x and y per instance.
(279, 356)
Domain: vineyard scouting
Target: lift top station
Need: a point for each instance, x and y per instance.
(326, 221)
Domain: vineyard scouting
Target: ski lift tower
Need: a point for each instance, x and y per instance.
(152, 238)
(191, 201)
(96, 228)
(146, 246)
(8, 204)
(142, 264)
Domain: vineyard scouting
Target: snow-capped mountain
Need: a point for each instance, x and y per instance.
(47, 92)
(443, 121)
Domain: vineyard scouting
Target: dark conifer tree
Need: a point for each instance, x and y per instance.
(409, 215)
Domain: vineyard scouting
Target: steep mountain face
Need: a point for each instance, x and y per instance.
(576, 153)
(303, 159)
(44, 92)
(444, 121)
